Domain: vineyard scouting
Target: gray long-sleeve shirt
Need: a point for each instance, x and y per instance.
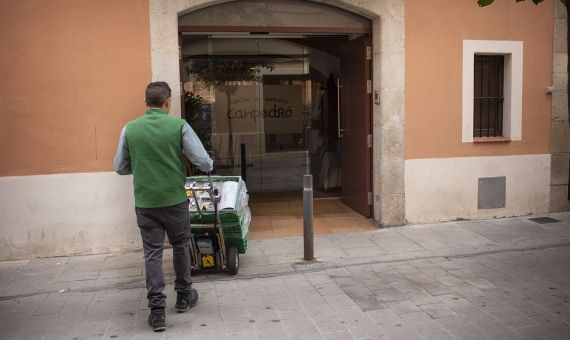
(191, 145)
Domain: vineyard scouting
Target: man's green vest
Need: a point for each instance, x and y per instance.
(155, 146)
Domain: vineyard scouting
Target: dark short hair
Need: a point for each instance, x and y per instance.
(157, 93)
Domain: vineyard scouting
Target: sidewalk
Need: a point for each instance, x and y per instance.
(506, 278)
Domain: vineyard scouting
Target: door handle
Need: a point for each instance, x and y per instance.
(339, 130)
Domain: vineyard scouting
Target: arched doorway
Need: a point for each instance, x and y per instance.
(387, 18)
(280, 90)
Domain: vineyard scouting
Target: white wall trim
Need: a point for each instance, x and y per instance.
(444, 189)
(65, 214)
(512, 109)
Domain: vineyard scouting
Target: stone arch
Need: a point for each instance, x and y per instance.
(280, 13)
(388, 79)
(344, 5)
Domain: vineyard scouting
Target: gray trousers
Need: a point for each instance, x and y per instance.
(153, 223)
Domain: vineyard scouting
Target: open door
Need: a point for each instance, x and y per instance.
(355, 128)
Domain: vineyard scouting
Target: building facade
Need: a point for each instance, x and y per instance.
(421, 111)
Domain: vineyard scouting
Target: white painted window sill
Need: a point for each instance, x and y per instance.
(491, 139)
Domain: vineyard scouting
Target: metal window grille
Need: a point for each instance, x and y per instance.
(488, 96)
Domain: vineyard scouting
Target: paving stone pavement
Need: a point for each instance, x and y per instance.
(494, 279)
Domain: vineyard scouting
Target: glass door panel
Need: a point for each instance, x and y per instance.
(222, 74)
(249, 100)
(285, 107)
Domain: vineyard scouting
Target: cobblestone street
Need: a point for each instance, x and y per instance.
(496, 279)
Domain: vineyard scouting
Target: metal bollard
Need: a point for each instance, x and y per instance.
(308, 217)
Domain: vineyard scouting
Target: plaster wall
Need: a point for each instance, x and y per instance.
(444, 189)
(442, 167)
(66, 214)
(435, 31)
(73, 72)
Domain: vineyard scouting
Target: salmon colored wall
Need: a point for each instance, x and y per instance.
(73, 72)
(435, 31)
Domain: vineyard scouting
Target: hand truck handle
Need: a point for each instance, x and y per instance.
(210, 180)
(213, 193)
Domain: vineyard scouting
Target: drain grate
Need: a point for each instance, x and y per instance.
(543, 220)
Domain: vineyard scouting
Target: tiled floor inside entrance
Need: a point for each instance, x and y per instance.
(283, 217)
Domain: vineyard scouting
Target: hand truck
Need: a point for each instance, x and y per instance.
(208, 251)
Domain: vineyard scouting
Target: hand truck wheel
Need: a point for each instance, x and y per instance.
(233, 261)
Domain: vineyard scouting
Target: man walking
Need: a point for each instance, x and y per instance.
(151, 148)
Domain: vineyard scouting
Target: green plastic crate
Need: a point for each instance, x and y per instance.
(233, 221)
(240, 244)
(227, 216)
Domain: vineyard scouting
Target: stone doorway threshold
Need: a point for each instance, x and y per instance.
(282, 216)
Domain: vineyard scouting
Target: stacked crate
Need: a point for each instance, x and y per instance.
(235, 222)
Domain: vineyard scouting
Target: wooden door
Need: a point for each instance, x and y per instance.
(355, 129)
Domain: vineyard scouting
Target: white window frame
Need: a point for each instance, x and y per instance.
(512, 104)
